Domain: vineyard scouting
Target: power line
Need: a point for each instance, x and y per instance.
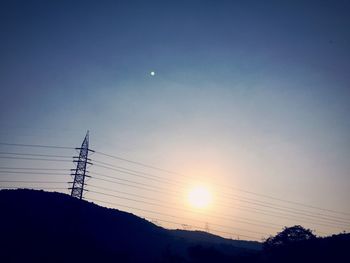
(34, 188)
(32, 182)
(31, 168)
(36, 145)
(309, 215)
(222, 215)
(132, 173)
(219, 225)
(161, 180)
(250, 209)
(174, 216)
(198, 227)
(238, 199)
(296, 211)
(153, 212)
(33, 154)
(33, 159)
(138, 187)
(244, 208)
(172, 172)
(248, 200)
(121, 192)
(65, 188)
(257, 201)
(167, 193)
(286, 211)
(279, 215)
(238, 189)
(134, 162)
(16, 172)
(225, 217)
(135, 171)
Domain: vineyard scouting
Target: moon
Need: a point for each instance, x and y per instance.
(152, 73)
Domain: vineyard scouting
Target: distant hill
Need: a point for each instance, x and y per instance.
(38, 226)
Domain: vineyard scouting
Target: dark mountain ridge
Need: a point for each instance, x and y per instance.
(38, 226)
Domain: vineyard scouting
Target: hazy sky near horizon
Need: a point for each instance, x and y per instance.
(253, 94)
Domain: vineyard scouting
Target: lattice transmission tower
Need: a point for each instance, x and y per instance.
(80, 172)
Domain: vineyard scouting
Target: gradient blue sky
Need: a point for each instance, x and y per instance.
(254, 94)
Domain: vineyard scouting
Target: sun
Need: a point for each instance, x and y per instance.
(199, 197)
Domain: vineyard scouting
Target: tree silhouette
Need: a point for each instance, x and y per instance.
(288, 236)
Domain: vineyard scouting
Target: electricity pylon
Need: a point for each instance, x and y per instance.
(80, 171)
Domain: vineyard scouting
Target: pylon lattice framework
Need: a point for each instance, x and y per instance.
(80, 170)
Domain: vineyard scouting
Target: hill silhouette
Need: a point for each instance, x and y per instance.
(38, 226)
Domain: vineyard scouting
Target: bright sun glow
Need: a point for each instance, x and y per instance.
(199, 197)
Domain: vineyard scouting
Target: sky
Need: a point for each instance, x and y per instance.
(251, 95)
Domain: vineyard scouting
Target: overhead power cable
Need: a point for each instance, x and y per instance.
(224, 217)
(34, 188)
(172, 172)
(250, 200)
(234, 188)
(167, 192)
(132, 173)
(46, 173)
(33, 168)
(36, 146)
(149, 211)
(32, 182)
(295, 212)
(33, 159)
(33, 154)
(252, 210)
(170, 182)
(173, 206)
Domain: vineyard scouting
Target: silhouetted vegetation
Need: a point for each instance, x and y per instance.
(297, 244)
(37, 226)
(288, 236)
